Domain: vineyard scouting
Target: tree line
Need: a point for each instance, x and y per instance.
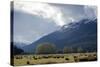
(50, 48)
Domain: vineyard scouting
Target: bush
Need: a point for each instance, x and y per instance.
(46, 48)
(67, 50)
(79, 50)
(59, 51)
(28, 62)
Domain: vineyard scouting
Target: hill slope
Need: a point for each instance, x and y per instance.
(79, 34)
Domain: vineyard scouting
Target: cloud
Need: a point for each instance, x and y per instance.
(90, 12)
(48, 17)
(42, 10)
(21, 39)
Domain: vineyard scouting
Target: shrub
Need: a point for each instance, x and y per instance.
(46, 48)
(28, 62)
(67, 50)
(79, 50)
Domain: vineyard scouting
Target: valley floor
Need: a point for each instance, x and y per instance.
(53, 58)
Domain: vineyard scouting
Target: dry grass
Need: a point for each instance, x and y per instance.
(53, 58)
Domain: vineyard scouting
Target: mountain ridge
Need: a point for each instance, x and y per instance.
(76, 33)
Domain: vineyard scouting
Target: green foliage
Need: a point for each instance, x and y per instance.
(16, 50)
(46, 48)
(79, 50)
(59, 51)
(67, 50)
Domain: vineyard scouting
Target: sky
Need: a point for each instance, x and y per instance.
(33, 20)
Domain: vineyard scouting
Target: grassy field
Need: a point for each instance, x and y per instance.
(53, 58)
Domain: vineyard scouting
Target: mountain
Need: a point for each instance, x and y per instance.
(77, 34)
(15, 50)
(19, 45)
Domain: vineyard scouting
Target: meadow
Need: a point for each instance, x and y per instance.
(53, 58)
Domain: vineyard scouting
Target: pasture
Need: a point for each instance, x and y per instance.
(53, 58)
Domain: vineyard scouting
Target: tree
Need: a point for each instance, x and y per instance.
(46, 48)
(67, 50)
(79, 50)
(59, 51)
(16, 50)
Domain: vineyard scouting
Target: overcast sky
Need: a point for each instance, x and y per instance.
(34, 20)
